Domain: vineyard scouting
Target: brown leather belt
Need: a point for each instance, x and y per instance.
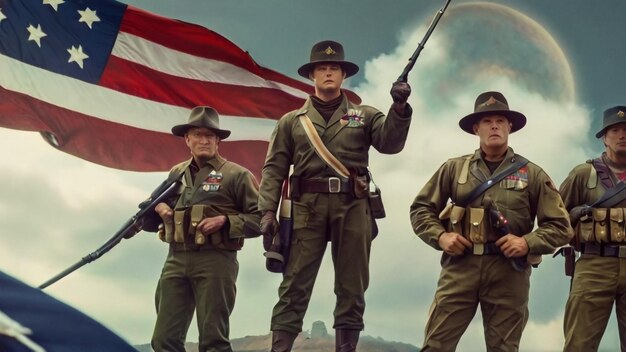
(325, 185)
(604, 249)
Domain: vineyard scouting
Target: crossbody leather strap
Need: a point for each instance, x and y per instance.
(321, 150)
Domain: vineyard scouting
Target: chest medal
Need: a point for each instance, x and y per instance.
(352, 119)
(213, 182)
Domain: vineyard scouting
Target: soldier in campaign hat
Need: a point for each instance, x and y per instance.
(329, 203)
(485, 257)
(203, 228)
(598, 281)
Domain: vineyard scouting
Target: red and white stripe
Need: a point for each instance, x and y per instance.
(159, 68)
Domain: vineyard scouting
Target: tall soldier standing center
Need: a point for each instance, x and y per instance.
(484, 256)
(325, 205)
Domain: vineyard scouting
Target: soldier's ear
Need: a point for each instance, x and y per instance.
(475, 128)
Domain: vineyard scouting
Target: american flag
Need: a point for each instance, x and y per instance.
(105, 82)
(30, 320)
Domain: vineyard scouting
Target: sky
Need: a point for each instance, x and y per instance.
(558, 62)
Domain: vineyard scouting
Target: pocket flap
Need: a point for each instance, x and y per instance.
(456, 214)
(476, 216)
(599, 214)
(617, 215)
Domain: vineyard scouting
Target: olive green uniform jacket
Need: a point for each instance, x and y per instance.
(598, 282)
(519, 202)
(348, 135)
(489, 280)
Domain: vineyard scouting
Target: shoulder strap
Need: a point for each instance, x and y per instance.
(465, 170)
(321, 150)
(493, 180)
(592, 181)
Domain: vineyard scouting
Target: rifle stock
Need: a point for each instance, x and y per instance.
(128, 230)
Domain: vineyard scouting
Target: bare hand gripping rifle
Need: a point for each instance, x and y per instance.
(135, 224)
(409, 66)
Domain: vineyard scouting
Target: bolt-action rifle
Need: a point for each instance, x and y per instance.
(135, 224)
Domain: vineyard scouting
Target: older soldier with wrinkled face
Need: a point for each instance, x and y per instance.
(203, 228)
(486, 231)
(599, 279)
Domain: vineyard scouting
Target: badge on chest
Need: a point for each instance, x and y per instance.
(213, 182)
(353, 119)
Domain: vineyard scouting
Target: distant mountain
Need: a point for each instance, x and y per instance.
(318, 340)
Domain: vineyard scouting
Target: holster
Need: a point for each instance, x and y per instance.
(277, 256)
(570, 259)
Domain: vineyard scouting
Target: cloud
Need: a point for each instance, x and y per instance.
(56, 208)
(405, 270)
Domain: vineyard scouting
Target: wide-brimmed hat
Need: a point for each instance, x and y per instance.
(492, 103)
(612, 116)
(328, 51)
(202, 116)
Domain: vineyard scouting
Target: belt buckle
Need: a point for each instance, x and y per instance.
(478, 249)
(622, 252)
(334, 185)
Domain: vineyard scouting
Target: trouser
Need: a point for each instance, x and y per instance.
(597, 283)
(204, 280)
(465, 282)
(346, 221)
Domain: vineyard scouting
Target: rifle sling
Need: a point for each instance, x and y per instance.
(493, 180)
(611, 197)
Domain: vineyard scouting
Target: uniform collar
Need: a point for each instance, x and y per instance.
(216, 162)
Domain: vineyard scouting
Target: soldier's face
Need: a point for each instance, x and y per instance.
(493, 131)
(202, 143)
(327, 77)
(615, 139)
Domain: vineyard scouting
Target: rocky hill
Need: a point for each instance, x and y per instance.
(317, 340)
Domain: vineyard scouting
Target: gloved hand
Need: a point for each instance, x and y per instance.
(578, 212)
(400, 92)
(269, 227)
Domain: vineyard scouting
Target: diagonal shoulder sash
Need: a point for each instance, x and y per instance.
(320, 149)
(493, 180)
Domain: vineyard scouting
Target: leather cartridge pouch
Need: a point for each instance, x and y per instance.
(456, 219)
(617, 224)
(376, 204)
(584, 229)
(179, 225)
(166, 229)
(196, 215)
(600, 224)
(476, 225)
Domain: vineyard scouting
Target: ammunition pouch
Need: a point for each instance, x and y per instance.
(474, 224)
(376, 204)
(185, 230)
(604, 225)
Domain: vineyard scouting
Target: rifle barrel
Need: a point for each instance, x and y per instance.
(409, 66)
